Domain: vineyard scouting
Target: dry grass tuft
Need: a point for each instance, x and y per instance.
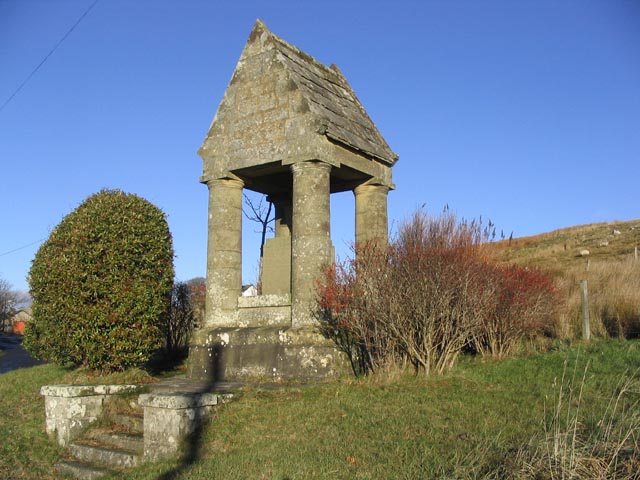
(614, 299)
(577, 447)
(611, 269)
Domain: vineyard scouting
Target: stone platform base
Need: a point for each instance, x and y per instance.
(262, 354)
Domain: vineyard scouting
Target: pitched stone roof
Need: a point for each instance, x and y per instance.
(283, 105)
(331, 99)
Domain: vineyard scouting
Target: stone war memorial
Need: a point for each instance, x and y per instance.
(293, 129)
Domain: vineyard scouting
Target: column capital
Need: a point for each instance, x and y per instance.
(371, 187)
(225, 182)
(299, 167)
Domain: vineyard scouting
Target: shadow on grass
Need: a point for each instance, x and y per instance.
(191, 455)
(163, 362)
(192, 445)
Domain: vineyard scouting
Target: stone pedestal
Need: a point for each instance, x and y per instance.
(267, 354)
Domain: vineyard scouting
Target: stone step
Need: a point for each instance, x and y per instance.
(129, 422)
(81, 470)
(120, 441)
(104, 455)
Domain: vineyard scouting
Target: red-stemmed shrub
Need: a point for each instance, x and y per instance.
(428, 296)
(523, 304)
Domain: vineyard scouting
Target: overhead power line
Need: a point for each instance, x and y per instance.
(64, 37)
(20, 248)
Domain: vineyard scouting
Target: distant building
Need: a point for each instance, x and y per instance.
(19, 320)
(249, 291)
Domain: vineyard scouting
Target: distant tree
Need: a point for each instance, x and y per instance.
(11, 302)
(259, 213)
(180, 322)
(7, 303)
(186, 312)
(197, 292)
(101, 284)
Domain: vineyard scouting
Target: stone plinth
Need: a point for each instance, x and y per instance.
(70, 409)
(263, 354)
(265, 311)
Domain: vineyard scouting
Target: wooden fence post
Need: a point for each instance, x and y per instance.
(586, 330)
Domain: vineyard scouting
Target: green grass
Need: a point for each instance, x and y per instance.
(469, 423)
(466, 424)
(25, 450)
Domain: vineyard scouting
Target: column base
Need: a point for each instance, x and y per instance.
(265, 354)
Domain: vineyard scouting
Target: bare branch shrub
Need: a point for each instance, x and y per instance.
(432, 293)
(522, 304)
(197, 293)
(180, 321)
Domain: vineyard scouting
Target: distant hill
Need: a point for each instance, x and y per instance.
(561, 249)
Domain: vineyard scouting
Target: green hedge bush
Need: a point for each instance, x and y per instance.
(101, 284)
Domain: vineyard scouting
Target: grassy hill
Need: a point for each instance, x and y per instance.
(560, 250)
(611, 268)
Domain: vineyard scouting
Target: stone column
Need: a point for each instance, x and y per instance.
(224, 252)
(310, 241)
(371, 214)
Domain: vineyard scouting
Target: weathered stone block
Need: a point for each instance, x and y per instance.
(263, 315)
(276, 265)
(266, 354)
(69, 409)
(170, 418)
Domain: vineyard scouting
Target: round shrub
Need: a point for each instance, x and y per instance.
(101, 284)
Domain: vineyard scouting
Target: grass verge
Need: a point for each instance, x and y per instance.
(25, 450)
(471, 423)
(486, 419)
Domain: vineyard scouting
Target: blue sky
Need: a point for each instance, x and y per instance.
(524, 112)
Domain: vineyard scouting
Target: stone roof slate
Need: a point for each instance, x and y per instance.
(331, 99)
